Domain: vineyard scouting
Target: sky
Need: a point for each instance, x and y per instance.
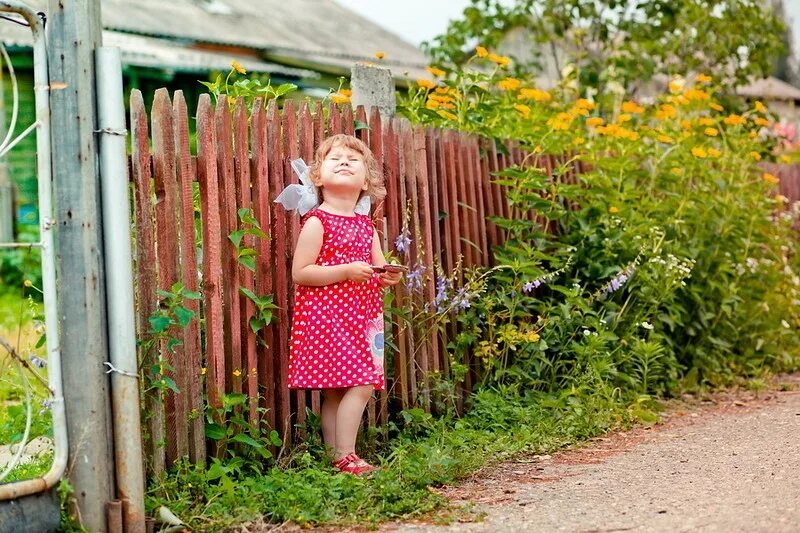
(413, 20)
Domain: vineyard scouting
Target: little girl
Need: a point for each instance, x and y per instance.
(337, 328)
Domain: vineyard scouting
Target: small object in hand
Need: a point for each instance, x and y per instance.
(389, 268)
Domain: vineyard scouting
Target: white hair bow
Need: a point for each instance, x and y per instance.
(303, 196)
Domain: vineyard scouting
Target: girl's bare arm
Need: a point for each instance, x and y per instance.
(306, 272)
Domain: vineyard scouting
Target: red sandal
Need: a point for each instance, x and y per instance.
(353, 464)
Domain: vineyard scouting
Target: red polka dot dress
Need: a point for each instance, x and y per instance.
(337, 330)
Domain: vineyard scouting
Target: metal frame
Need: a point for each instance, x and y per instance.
(46, 243)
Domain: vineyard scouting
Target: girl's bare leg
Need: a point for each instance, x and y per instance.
(348, 418)
(330, 405)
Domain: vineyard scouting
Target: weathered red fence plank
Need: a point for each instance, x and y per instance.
(167, 255)
(264, 258)
(192, 386)
(146, 274)
(280, 224)
(212, 252)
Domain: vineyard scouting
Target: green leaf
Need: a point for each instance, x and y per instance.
(41, 341)
(192, 295)
(284, 88)
(159, 323)
(236, 237)
(171, 385)
(256, 324)
(215, 431)
(246, 439)
(248, 262)
(359, 125)
(183, 315)
(172, 344)
(234, 399)
(250, 294)
(275, 438)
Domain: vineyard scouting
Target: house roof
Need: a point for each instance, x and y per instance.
(313, 34)
(770, 88)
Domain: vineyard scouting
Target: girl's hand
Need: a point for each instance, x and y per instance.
(389, 279)
(359, 271)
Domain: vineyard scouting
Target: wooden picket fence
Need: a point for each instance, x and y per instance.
(441, 177)
(789, 176)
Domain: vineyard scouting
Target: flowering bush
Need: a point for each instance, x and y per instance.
(669, 256)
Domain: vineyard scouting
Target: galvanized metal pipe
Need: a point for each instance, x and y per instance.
(47, 223)
(119, 288)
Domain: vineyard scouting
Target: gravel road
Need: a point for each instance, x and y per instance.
(728, 466)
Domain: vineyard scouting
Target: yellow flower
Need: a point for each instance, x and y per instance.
(666, 111)
(632, 107)
(713, 152)
(752, 135)
(784, 158)
(625, 117)
(676, 170)
(755, 155)
(426, 84)
(699, 152)
(28, 283)
(613, 210)
(253, 371)
(685, 124)
(446, 114)
(503, 61)
(380, 55)
(665, 139)
(578, 141)
(711, 132)
(534, 94)
(523, 109)
(432, 103)
(761, 108)
(594, 122)
(235, 65)
(702, 78)
(696, 94)
(203, 371)
(676, 85)
(338, 98)
(781, 199)
(758, 121)
(561, 121)
(770, 178)
(509, 84)
(705, 121)
(480, 51)
(435, 72)
(237, 372)
(716, 107)
(346, 92)
(583, 103)
(734, 120)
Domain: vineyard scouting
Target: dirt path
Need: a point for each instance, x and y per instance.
(730, 464)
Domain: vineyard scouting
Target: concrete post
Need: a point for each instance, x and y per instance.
(74, 33)
(373, 86)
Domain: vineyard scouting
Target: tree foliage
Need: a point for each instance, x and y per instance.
(624, 41)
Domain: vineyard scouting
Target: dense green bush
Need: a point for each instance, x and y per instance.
(669, 256)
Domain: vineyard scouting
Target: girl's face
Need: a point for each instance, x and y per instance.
(343, 170)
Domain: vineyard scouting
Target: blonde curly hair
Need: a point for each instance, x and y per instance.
(375, 187)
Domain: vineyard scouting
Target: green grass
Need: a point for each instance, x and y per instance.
(424, 453)
(19, 328)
